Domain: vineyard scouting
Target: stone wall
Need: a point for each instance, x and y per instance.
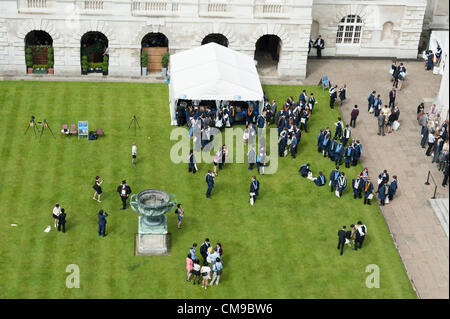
(389, 29)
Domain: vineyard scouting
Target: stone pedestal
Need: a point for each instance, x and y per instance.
(152, 245)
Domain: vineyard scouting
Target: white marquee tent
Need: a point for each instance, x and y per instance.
(441, 38)
(213, 72)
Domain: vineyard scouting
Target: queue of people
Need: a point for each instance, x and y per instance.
(435, 134)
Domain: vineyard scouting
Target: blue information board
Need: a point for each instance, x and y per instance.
(83, 128)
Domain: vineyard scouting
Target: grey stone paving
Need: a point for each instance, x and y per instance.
(417, 232)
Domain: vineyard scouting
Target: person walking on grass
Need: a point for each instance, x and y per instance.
(102, 222)
(98, 189)
(180, 214)
(189, 267)
(341, 237)
(206, 275)
(62, 221)
(133, 154)
(55, 214)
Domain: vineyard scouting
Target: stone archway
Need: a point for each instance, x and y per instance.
(39, 56)
(154, 45)
(267, 52)
(94, 51)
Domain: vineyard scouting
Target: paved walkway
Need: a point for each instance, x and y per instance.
(416, 230)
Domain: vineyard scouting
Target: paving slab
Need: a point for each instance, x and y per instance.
(421, 241)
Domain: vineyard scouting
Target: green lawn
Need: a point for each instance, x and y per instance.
(283, 247)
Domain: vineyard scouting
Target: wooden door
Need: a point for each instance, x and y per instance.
(154, 58)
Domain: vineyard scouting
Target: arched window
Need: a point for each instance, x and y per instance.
(217, 38)
(349, 30)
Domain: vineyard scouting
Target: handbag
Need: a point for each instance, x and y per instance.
(386, 201)
(337, 193)
(379, 181)
(303, 120)
(370, 196)
(371, 109)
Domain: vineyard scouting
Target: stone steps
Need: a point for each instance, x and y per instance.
(441, 210)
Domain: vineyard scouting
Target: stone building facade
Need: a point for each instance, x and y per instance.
(383, 28)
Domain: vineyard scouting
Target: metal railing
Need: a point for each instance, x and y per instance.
(434, 182)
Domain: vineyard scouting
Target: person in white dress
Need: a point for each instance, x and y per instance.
(56, 213)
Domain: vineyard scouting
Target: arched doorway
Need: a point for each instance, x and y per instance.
(39, 52)
(217, 38)
(267, 53)
(94, 53)
(154, 46)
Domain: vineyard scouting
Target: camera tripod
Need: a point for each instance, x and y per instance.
(44, 126)
(32, 124)
(135, 121)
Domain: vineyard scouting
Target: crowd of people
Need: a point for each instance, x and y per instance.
(387, 116)
(361, 184)
(434, 134)
(210, 268)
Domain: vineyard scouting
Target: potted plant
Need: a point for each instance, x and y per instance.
(50, 60)
(105, 65)
(29, 60)
(144, 62)
(84, 65)
(40, 69)
(50, 65)
(164, 63)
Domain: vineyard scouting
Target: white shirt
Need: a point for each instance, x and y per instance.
(431, 138)
(56, 211)
(133, 150)
(360, 230)
(207, 270)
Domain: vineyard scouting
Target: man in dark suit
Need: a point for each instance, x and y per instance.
(210, 182)
(254, 189)
(204, 249)
(341, 237)
(392, 96)
(319, 44)
(371, 100)
(124, 191)
(102, 222)
(62, 221)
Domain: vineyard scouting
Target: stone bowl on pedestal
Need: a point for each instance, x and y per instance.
(152, 204)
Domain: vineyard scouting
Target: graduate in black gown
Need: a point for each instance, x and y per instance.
(320, 180)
